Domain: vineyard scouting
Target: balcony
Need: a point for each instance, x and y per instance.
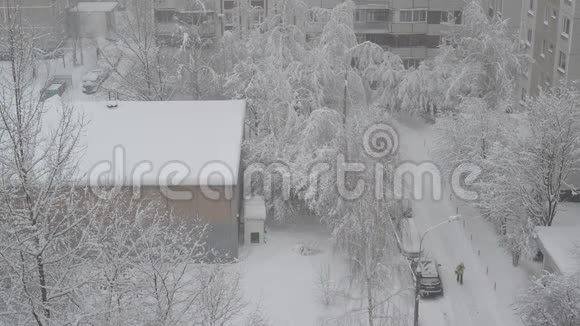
(419, 52)
(372, 26)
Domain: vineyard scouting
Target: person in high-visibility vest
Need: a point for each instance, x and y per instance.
(459, 272)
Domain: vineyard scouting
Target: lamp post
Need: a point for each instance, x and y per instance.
(417, 277)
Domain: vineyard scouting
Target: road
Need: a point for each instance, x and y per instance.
(475, 303)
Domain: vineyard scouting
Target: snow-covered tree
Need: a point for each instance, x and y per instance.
(523, 178)
(366, 237)
(221, 298)
(487, 56)
(143, 70)
(551, 300)
(553, 148)
(42, 213)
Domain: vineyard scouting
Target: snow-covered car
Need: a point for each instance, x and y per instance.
(93, 80)
(408, 238)
(429, 279)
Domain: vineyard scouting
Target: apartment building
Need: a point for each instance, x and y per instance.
(172, 17)
(550, 30)
(411, 29)
(47, 18)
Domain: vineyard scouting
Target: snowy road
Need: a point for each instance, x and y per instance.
(476, 302)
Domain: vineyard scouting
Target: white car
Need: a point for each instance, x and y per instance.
(93, 79)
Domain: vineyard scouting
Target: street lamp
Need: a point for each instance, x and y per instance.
(450, 219)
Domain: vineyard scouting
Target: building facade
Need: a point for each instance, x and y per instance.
(46, 18)
(411, 29)
(550, 30)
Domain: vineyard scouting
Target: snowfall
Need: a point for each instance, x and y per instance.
(281, 281)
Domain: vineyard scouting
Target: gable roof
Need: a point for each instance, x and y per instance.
(161, 143)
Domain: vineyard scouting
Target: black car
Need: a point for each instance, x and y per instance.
(430, 282)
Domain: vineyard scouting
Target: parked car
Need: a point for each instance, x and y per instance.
(56, 86)
(429, 278)
(408, 238)
(93, 80)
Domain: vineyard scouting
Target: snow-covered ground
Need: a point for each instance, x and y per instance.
(282, 281)
(491, 282)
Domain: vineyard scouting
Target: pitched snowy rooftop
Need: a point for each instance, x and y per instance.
(95, 6)
(162, 143)
(559, 242)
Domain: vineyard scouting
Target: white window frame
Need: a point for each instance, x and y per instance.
(414, 13)
(566, 26)
(543, 53)
(562, 68)
(406, 11)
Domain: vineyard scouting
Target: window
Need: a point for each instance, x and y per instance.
(257, 3)
(411, 63)
(229, 18)
(434, 17)
(406, 16)
(499, 7)
(543, 53)
(530, 34)
(523, 98)
(420, 15)
(566, 26)
(255, 237)
(257, 18)
(229, 4)
(377, 15)
(562, 61)
(415, 16)
(554, 13)
(360, 15)
(531, 6)
(547, 15)
(458, 16)
(551, 47)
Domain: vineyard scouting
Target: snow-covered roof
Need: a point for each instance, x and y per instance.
(161, 143)
(567, 214)
(255, 208)
(559, 242)
(95, 6)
